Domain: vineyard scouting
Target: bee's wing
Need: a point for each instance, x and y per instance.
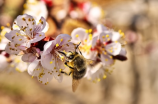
(75, 84)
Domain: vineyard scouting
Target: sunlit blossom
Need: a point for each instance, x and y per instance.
(28, 32)
(51, 59)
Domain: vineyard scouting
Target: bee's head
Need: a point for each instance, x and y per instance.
(69, 55)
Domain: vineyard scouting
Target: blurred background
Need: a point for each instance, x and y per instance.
(134, 81)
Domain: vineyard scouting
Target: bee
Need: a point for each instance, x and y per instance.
(77, 64)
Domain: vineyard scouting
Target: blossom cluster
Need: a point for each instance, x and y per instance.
(41, 54)
(26, 47)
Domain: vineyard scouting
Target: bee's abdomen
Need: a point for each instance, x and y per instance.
(79, 74)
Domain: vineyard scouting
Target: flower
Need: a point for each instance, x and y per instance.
(85, 37)
(27, 32)
(51, 59)
(106, 42)
(35, 8)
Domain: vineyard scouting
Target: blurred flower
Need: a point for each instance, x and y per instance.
(35, 8)
(51, 59)
(28, 32)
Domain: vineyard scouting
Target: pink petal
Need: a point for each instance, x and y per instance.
(48, 61)
(38, 37)
(41, 25)
(62, 39)
(48, 47)
(79, 35)
(101, 28)
(26, 21)
(107, 60)
(113, 48)
(33, 66)
(28, 57)
(11, 49)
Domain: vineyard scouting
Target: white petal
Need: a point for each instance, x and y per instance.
(45, 76)
(123, 52)
(90, 55)
(115, 36)
(3, 62)
(48, 47)
(28, 57)
(38, 37)
(79, 35)
(26, 21)
(41, 25)
(113, 48)
(107, 60)
(48, 61)
(105, 36)
(62, 39)
(33, 66)
(68, 47)
(11, 49)
(101, 28)
(58, 76)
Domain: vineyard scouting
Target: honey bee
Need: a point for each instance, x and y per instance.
(77, 64)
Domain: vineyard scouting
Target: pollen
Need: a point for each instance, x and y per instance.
(60, 70)
(54, 67)
(29, 19)
(90, 36)
(31, 29)
(8, 24)
(2, 27)
(77, 35)
(23, 19)
(86, 31)
(116, 41)
(111, 57)
(13, 37)
(107, 36)
(103, 36)
(58, 74)
(33, 23)
(40, 35)
(104, 77)
(108, 39)
(32, 76)
(61, 40)
(90, 30)
(57, 45)
(106, 59)
(51, 62)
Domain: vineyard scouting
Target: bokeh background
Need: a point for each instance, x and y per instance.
(134, 81)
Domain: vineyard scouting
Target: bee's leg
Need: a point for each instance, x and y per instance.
(65, 72)
(80, 51)
(68, 65)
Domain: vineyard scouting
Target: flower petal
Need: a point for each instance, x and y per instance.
(48, 47)
(26, 21)
(115, 36)
(12, 49)
(28, 57)
(33, 66)
(48, 61)
(101, 28)
(38, 37)
(106, 60)
(113, 48)
(62, 39)
(79, 35)
(105, 36)
(41, 25)
(45, 76)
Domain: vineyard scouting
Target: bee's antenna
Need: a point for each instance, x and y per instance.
(77, 46)
(62, 53)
